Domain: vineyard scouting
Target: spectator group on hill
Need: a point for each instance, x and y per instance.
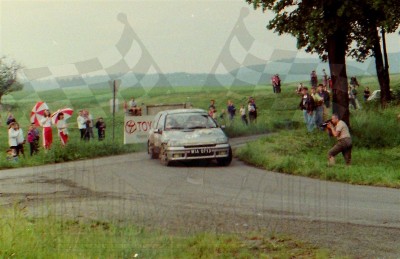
(247, 111)
(17, 139)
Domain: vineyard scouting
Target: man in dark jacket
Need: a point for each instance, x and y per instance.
(307, 104)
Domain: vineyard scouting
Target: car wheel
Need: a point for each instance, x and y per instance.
(163, 157)
(150, 151)
(226, 160)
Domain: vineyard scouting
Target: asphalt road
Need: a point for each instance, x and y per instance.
(356, 220)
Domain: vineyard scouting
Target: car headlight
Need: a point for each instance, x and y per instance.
(222, 140)
(174, 143)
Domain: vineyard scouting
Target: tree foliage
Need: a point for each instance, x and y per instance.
(334, 29)
(8, 77)
(321, 27)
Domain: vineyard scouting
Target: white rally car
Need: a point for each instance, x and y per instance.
(187, 134)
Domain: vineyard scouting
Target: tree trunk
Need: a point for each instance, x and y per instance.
(386, 59)
(337, 63)
(380, 70)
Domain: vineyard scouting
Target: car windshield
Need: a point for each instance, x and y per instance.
(181, 121)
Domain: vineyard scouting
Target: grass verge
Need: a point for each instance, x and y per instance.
(23, 237)
(299, 153)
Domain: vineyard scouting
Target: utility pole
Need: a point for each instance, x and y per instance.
(114, 84)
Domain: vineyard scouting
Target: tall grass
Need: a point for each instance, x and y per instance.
(376, 128)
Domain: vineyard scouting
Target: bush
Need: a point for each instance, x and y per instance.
(375, 128)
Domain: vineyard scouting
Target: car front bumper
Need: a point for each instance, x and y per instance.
(198, 152)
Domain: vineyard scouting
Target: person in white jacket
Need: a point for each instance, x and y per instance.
(20, 141)
(82, 125)
(13, 131)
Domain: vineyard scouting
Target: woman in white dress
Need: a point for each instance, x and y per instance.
(47, 130)
(62, 129)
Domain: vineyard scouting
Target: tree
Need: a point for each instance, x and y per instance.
(8, 77)
(321, 27)
(329, 27)
(374, 18)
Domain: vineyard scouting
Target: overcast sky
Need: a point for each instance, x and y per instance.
(181, 35)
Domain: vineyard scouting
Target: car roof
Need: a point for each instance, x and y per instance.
(176, 111)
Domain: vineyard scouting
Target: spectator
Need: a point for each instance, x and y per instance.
(367, 93)
(354, 82)
(327, 102)
(62, 129)
(33, 139)
(13, 131)
(344, 145)
(89, 124)
(314, 79)
(299, 88)
(252, 108)
(324, 78)
(212, 104)
(212, 110)
(276, 83)
(133, 108)
(243, 114)
(330, 83)
(231, 110)
(319, 102)
(307, 105)
(352, 98)
(101, 128)
(327, 97)
(10, 118)
(20, 140)
(81, 125)
(47, 130)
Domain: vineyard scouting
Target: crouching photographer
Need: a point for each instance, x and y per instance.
(339, 129)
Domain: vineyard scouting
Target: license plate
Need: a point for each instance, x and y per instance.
(201, 151)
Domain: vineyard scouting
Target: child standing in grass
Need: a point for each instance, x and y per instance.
(33, 139)
(101, 128)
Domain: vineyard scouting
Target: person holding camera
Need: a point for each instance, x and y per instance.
(339, 129)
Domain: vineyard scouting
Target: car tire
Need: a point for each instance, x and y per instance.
(164, 158)
(150, 151)
(226, 160)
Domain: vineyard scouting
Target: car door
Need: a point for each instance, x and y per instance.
(153, 128)
(158, 131)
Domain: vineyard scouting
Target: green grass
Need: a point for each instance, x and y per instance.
(49, 237)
